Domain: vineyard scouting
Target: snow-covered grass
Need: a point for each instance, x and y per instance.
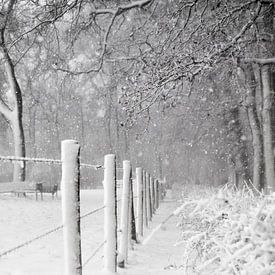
(222, 232)
(225, 231)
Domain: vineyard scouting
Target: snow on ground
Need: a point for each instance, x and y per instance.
(159, 255)
(22, 219)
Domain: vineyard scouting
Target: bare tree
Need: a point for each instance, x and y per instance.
(12, 108)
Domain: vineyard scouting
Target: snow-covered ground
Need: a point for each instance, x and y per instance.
(22, 219)
(158, 255)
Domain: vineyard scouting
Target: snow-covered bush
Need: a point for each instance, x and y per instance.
(228, 232)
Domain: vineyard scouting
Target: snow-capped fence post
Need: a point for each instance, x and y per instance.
(124, 221)
(70, 186)
(139, 184)
(148, 197)
(110, 214)
(145, 217)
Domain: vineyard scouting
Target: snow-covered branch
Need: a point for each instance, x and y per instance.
(260, 61)
(122, 8)
(115, 12)
(5, 110)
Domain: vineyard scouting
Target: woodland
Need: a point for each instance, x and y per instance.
(185, 87)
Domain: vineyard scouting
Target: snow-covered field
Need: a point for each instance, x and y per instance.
(218, 233)
(22, 219)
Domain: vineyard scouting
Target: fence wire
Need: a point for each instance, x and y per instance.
(44, 160)
(92, 212)
(94, 166)
(45, 234)
(12, 159)
(31, 241)
(96, 250)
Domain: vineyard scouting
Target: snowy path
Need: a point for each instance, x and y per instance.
(22, 219)
(158, 255)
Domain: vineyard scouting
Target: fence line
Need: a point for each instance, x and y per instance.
(149, 194)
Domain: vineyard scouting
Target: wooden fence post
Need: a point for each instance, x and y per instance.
(145, 217)
(110, 214)
(132, 227)
(70, 187)
(148, 197)
(124, 221)
(132, 212)
(139, 183)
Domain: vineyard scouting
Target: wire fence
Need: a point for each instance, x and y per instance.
(57, 228)
(53, 230)
(110, 180)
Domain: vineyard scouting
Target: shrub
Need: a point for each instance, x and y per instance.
(231, 232)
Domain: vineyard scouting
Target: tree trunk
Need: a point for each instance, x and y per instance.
(19, 149)
(241, 159)
(267, 129)
(258, 165)
(14, 116)
(160, 164)
(257, 140)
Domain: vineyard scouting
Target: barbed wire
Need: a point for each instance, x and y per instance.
(94, 166)
(51, 161)
(12, 158)
(45, 160)
(45, 234)
(96, 250)
(30, 241)
(92, 212)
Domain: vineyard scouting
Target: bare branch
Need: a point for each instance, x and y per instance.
(49, 21)
(8, 12)
(5, 22)
(99, 67)
(120, 9)
(115, 12)
(235, 39)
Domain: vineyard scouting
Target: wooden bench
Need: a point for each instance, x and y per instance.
(44, 187)
(29, 187)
